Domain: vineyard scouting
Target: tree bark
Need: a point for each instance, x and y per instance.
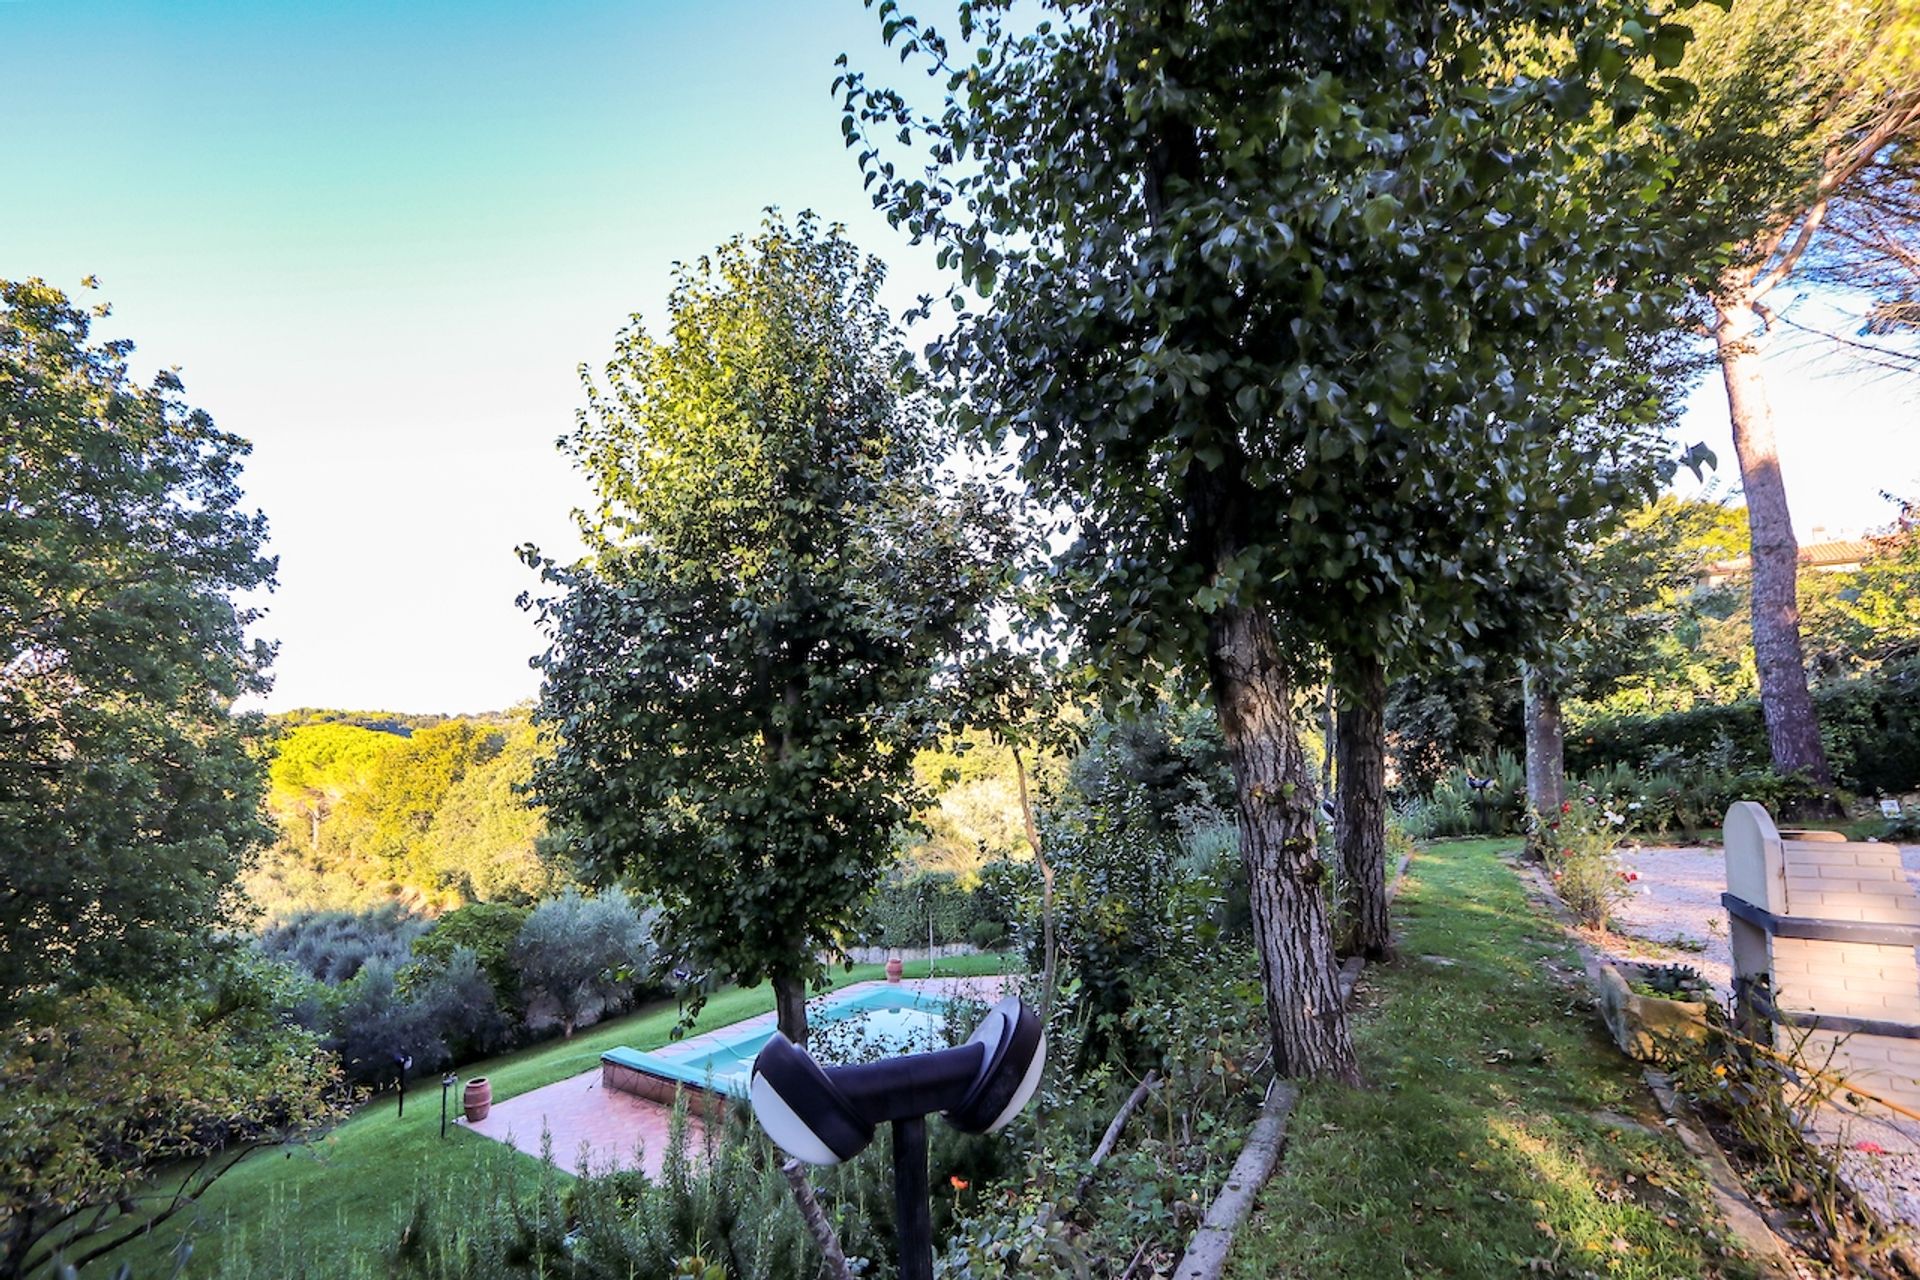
(1793, 730)
(790, 1007)
(1285, 877)
(1360, 813)
(1049, 966)
(1546, 747)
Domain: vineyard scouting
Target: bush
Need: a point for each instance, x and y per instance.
(987, 935)
(1579, 843)
(333, 946)
(580, 957)
(1870, 725)
(488, 930)
(906, 905)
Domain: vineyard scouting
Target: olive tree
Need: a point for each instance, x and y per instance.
(776, 599)
(1275, 300)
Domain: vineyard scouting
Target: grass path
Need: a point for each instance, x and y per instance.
(1501, 1134)
(347, 1195)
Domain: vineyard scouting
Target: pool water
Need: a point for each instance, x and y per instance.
(847, 1027)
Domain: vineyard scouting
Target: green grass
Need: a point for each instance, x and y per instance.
(1488, 1141)
(347, 1194)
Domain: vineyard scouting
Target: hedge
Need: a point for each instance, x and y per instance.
(1870, 724)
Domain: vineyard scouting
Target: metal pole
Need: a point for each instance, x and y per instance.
(912, 1205)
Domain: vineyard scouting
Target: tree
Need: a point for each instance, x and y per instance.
(316, 765)
(1811, 115)
(1277, 300)
(130, 794)
(578, 954)
(116, 1113)
(743, 670)
(486, 841)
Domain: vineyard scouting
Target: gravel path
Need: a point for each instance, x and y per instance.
(1675, 917)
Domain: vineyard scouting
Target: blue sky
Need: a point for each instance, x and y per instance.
(380, 237)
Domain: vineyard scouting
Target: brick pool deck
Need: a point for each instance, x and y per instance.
(604, 1129)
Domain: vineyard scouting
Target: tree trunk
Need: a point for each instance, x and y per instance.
(1049, 966)
(1546, 749)
(1285, 877)
(1360, 814)
(790, 1007)
(1329, 734)
(1793, 731)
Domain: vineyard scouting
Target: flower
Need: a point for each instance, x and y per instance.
(1566, 806)
(1870, 1148)
(959, 1183)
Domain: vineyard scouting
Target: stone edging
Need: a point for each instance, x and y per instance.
(1744, 1218)
(1206, 1255)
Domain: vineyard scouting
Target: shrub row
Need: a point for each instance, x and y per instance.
(1870, 724)
(383, 983)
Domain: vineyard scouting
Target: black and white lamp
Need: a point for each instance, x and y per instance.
(824, 1115)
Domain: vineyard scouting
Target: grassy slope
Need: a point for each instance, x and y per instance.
(1476, 1151)
(352, 1187)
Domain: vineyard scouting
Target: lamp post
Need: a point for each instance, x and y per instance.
(824, 1115)
(447, 1082)
(405, 1063)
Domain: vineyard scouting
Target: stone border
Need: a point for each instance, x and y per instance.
(1745, 1219)
(1206, 1254)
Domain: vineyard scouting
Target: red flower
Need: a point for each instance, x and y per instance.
(959, 1183)
(1566, 806)
(1870, 1148)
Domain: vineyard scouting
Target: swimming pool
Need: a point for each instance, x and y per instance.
(855, 1024)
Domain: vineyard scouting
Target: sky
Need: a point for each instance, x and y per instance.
(379, 239)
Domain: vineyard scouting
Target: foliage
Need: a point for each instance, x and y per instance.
(331, 946)
(129, 792)
(430, 808)
(100, 1091)
(578, 957)
(1580, 843)
(443, 1011)
(908, 908)
(742, 672)
(1870, 724)
(487, 929)
(486, 841)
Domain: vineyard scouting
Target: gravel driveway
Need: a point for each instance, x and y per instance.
(1675, 917)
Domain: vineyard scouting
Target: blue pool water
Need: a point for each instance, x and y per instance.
(856, 1025)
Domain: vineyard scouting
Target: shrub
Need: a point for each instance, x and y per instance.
(488, 930)
(906, 907)
(987, 935)
(578, 957)
(1870, 725)
(1579, 842)
(333, 946)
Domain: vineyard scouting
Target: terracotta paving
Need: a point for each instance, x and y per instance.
(607, 1129)
(601, 1128)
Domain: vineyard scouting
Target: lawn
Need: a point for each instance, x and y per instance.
(1500, 1133)
(346, 1196)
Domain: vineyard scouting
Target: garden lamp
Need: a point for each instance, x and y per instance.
(824, 1115)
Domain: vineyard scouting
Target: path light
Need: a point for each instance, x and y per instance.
(824, 1115)
(447, 1082)
(404, 1062)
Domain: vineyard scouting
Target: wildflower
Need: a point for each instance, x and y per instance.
(959, 1183)
(1614, 818)
(1566, 806)
(1632, 805)
(1870, 1148)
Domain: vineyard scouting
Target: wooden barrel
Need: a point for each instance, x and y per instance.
(478, 1098)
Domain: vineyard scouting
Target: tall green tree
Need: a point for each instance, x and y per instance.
(130, 794)
(743, 669)
(1276, 300)
(1810, 118)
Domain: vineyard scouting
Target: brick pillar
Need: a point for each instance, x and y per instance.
(1840, 948)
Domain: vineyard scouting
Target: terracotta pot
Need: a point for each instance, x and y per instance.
(478, 1098)
(894, 968)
